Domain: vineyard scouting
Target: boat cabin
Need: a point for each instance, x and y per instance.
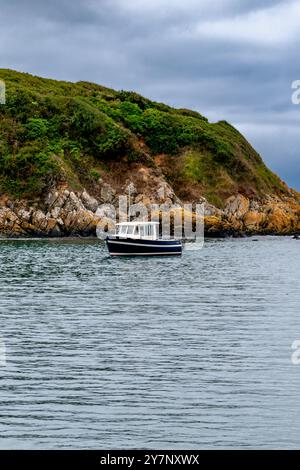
(138, 230)
(141, 239)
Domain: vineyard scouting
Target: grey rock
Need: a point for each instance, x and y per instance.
(107, 193)
(89, 202)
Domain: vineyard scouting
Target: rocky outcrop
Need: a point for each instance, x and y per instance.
(269, 215)
(65, 212)
(61, 213)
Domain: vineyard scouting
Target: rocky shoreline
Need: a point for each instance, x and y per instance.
(64, 212)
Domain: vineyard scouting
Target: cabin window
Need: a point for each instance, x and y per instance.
(122, 230)
(130, 229)
(150, 231)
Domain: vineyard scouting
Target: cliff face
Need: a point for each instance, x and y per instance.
(63, 211)
(66, 148)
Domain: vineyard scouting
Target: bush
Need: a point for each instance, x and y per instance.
(21, 103)
(36, 128)
(131, 115)
(160, 131)
(95, 174)
(132, 97)
(113, 141)
(85, 119)
(28, 171)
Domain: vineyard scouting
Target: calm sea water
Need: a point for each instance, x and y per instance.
(191, 352)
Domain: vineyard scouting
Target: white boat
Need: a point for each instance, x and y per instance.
(141, 239)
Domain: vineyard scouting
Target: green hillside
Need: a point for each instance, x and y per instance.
(53, 131)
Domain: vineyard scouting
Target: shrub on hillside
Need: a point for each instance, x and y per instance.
(28, 170)
(37, 128)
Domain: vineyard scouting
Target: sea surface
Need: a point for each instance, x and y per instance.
(166, 353)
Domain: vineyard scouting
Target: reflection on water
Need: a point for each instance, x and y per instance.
(191, 352)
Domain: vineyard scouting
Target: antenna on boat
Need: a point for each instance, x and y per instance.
(129, 196)
(129, 200)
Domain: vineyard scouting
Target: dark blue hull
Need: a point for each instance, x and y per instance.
(135, 247)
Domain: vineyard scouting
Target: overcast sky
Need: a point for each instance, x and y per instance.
(228, 59)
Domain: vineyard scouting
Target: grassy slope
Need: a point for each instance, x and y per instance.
(52, 131)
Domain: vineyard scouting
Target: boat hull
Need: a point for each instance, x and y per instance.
(135, 247)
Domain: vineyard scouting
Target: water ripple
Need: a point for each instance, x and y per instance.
(192, 352)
